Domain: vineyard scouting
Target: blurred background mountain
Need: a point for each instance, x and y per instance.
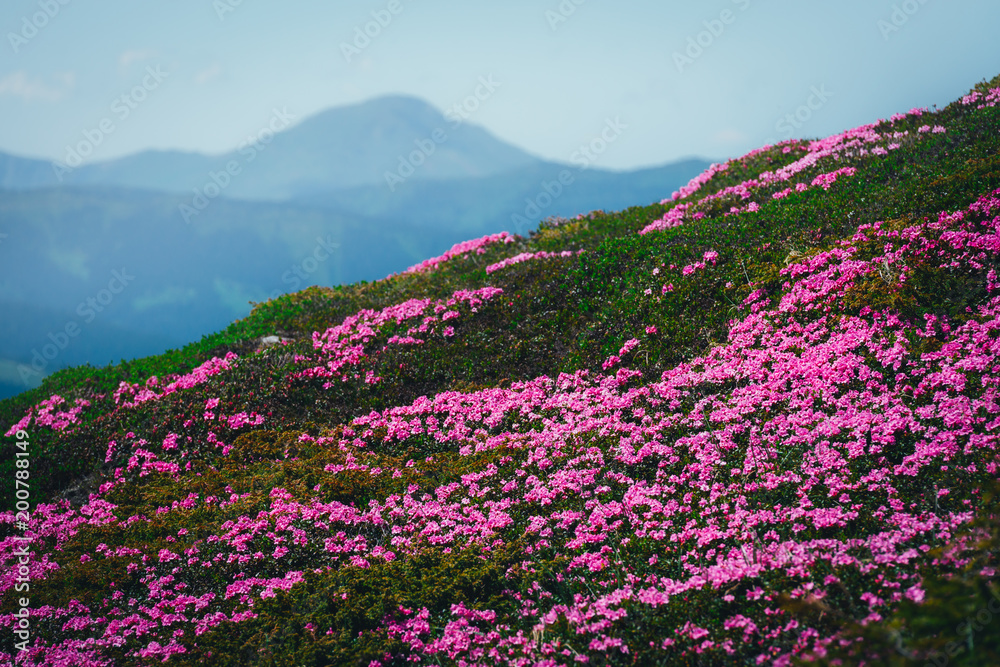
(135, 255)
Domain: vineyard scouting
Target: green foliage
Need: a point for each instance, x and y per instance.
(957, 623)
(335, 617)
(555, 315)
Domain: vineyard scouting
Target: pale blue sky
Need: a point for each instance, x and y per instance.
(559, 82)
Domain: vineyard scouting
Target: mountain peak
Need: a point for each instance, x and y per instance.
(368, 142)
(342, 147)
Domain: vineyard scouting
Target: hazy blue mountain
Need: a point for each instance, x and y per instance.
(34, 343)
(356, 145)
(309, 207)
(343, 147)
(121, 268)
(169, 171)
(21, 172)
(515, 200)
(174, 171)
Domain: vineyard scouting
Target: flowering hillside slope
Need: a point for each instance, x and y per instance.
(750, 424)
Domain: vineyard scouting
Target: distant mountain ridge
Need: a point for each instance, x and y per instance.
(343, 147)
(320, 182)
(513, 200)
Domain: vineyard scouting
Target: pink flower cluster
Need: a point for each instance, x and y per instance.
(818, 453)
(141, 394)
(695, 184)
(615, 359)
(672, 218)
(647, 490)
(710, 257)
(477, 245)
(243, 419)
(990, 99)
(340, 349)
(45, 414)
(850, 143)
(525, 256)
(825, 181)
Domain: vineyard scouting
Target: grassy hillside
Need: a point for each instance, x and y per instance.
(65, 242)
(752, 424)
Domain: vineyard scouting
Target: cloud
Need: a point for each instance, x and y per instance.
(134, 55)
(729, 136)
(206, 75)
(20, 85)
(73, 261)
